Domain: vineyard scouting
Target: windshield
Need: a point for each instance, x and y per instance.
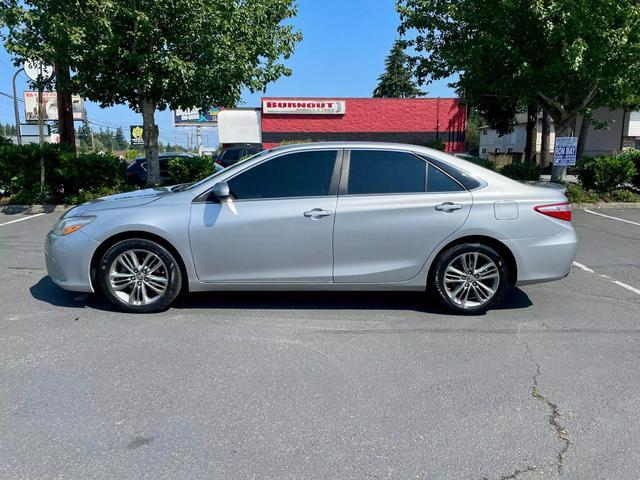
(228, 169)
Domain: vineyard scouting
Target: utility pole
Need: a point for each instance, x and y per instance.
(199, 137)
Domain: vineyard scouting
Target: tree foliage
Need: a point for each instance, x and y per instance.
(397, 81)
(158, 54)
(564, 55)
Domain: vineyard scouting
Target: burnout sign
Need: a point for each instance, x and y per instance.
(305, 107)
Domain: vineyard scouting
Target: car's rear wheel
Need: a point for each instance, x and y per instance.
(139, 276)
(470, 278)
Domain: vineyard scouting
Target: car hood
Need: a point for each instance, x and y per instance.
(120, 200)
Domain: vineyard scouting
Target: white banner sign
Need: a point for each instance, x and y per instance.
(50, 104)
(565, 152)
(304, 107)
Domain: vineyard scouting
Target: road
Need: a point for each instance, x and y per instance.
(324, 386)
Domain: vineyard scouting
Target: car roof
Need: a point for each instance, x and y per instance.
(168, 154)
(464, 165)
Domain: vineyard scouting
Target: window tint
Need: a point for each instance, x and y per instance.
(439, 182)
(304, 174)
(381, 172)
(231, 154)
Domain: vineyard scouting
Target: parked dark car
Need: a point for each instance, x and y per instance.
(232, 155)
(137, 170)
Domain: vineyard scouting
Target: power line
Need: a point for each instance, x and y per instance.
(11, 96)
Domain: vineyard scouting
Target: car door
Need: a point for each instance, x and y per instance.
(393, 209)
(278, 225)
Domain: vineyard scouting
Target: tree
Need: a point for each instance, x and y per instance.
(120, 139)
(397, 81)
(158, 54)
(566, 56)
(36, 31)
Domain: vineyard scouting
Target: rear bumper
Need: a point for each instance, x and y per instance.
(544, 259)
(68, 260)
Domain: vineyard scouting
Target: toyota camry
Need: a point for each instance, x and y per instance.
(325, 216)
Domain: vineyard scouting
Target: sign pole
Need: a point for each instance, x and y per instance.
(41, 136)
(199, 136)
(15, 107)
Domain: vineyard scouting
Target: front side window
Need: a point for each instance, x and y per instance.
(383, 172)
(302, 174)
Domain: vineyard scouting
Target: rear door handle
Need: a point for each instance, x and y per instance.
(317, 213)
(448, 207)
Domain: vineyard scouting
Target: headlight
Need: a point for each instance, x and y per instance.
(65, 226)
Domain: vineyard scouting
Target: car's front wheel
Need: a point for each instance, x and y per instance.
(471, 278)
(140, 276)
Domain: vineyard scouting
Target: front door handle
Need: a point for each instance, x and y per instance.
(317, 213)
(448, 207)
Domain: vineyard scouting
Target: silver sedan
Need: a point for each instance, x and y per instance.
(325, 216)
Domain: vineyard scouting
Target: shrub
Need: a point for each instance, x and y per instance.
(86, 172)
(605, 173)
(190, 169)
(625, 196)
(634, 156)
(524, 171)
(66, 174)
(486, 163)
(577, 194)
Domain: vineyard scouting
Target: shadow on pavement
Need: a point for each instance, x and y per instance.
(415, 301)
(47, 291)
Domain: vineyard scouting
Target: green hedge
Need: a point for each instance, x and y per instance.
(606, 173)
(522, 171)
(190, 169)
(68, 177)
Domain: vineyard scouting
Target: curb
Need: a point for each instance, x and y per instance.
(13, 209)
(604, 206)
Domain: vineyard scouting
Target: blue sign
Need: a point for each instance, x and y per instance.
(565, 152)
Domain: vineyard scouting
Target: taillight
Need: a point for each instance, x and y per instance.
(561, 211)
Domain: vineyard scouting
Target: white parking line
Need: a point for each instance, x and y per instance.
(612, 218)
(607, 277)
(22, 219)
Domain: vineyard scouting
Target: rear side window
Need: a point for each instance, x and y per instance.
(303, 174)
(385, 172)
(440, 182)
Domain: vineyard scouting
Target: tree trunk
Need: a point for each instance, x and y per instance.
(150, 135)
(546, 137)
(532, 137)
(65, 107)
(584, 134)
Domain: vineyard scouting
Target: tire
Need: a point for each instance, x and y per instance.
(139, 276)
(470, 293)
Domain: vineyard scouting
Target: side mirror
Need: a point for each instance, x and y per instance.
(221, 191)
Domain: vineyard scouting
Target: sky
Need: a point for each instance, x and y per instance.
(341, 55)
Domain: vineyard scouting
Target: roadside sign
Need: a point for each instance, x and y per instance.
(565, 151)
(38, 71)
(137, 138)
(50, 106)
(193, 117)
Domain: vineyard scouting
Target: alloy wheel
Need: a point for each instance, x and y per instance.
(471, 280)
(138, 277)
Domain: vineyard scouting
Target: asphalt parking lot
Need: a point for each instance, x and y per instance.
(324, 386)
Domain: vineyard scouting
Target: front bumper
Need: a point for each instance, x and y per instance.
(68, 260)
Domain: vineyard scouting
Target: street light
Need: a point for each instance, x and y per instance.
(15, 106)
